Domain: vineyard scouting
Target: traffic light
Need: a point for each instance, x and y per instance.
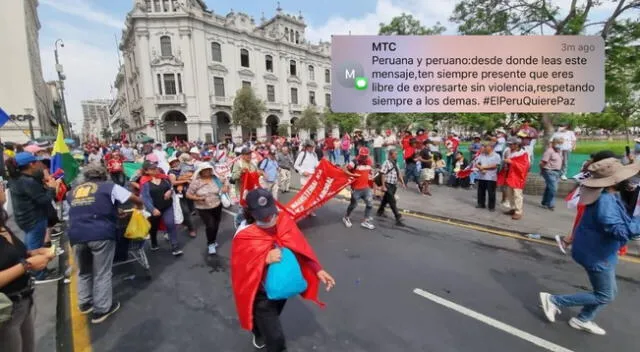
(152, 123)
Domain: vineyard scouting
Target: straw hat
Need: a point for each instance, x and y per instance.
(605, 173)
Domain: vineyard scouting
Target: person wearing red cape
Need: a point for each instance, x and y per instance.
(253, 249)
(514, 176)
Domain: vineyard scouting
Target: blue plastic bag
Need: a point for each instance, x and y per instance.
(284, 279)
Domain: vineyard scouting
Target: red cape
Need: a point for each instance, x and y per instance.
(515, 176)
(248, 254)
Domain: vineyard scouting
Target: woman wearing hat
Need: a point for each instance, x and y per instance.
(603, 229)
(157, 195)
(204, 190)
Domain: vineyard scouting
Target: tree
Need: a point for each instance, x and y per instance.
(106, 134)
(247, 109)
(346, 122)
(283, 129)
(523, 17)
(309, 119)
(406, 24)
(622, 69)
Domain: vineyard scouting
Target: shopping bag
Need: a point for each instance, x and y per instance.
(178, 218)
(284, 279)
(138, 226)
(6, 308)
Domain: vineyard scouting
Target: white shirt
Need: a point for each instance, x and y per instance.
(501, 144)
(390, 141)
(569, 139)
(119, 194)
(378, 141)
(306, 162)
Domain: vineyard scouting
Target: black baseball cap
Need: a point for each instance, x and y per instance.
(261, 204)
(245, 151)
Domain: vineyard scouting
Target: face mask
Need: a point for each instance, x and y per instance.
(267, 224)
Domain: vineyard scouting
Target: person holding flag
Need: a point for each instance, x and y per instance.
(514, 176)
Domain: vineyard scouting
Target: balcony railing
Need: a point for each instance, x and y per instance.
(220, 101)
(272, 105)
(177, 99)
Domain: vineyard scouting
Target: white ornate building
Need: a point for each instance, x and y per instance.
(96, 116)
(184, 63)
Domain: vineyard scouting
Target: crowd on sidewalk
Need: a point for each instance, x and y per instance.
(179, 180)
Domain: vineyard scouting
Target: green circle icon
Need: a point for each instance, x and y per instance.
(361, 83)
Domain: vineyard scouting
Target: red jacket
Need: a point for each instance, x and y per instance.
(249, 251)
(515, 175)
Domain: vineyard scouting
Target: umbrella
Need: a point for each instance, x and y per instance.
(69, 141)
(145, 139)
(46, 139)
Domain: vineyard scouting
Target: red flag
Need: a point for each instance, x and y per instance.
(516, 174)
(464, 173)
(327, 181)
(61, 192)
(248, 182)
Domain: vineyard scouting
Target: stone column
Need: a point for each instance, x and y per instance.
(236, 134)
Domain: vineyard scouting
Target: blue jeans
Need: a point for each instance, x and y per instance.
(411, 173)
(364, 194)
(332, 156)
(34, 239)
(604, 291)
(473, 177)
(551, 178)
(169, 222)
(345, 154)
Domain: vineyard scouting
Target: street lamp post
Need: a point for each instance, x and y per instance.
(61, 78)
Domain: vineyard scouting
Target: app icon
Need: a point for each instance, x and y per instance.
(361, 83)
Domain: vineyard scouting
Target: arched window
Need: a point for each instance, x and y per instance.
(165, 46)
(216, 52)
(268, 60)
(292, 68)
(312, 73)
(244, 57)
(327, 76)
(292, 36)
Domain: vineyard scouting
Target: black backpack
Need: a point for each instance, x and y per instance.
(378, 178)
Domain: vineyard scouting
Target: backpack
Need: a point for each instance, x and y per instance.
(301, 161)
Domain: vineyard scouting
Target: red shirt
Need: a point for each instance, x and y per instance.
(328, 143)
(363, 171)
(114, 164)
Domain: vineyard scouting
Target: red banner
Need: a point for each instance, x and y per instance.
(248, 182)
(327, 181)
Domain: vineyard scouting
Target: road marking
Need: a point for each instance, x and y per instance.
(550, 346)
(81, 338)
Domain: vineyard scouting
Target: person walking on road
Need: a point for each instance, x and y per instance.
(285, 163)
(269, 179)
(603, 229)
(205, 191)
(487, 164)
(93, 217)
(390, 177)
(360, 168)
(157, 197)
(568, 145)
(551, 170)
(259, 243)
(306, 164)
(516, 168)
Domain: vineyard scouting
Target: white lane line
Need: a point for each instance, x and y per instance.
(550, 346)
(229, 212)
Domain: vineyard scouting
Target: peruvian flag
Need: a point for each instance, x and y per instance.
(573, 198)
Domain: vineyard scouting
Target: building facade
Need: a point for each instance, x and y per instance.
(96, 119)
(24, 95)
(183, 65)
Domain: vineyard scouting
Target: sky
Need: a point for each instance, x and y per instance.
(89, 29)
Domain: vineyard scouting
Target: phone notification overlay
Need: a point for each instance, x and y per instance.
(467, 74)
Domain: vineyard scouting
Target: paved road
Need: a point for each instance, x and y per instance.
(188, 305)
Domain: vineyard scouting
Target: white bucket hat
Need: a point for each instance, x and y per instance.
(201, 167)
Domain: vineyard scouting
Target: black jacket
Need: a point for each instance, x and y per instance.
(31, 200)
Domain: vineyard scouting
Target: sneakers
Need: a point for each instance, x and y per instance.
(166, 237)
(258, 342)
(86, 308)
(367, 225)
(313, 215)
(587, 326)
(564, 178)
(549, 308)
(176, 251)
(154, 248)
(399, 223)
(97, 318)
(347, 222)
(561, 244)
(48, 276)
(212, 249)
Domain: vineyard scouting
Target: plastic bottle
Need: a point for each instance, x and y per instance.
(534, 236)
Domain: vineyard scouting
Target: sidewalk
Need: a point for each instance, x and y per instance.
(458, 205)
